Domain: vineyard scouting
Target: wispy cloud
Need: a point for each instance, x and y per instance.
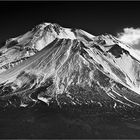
(130, 36)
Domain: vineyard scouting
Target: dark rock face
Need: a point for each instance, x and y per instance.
(69, 67)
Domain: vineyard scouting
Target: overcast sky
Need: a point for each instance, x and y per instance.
(17, 18)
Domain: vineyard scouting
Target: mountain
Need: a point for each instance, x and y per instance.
(68, 67)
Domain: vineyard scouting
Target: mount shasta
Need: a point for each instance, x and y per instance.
(68, 66)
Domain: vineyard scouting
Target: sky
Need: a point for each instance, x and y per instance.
(16, 18)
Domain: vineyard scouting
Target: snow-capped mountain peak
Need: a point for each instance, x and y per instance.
(69, 66)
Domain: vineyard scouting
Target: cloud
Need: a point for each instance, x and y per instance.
(130, 36)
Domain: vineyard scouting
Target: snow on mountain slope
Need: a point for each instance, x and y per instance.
(70, 66)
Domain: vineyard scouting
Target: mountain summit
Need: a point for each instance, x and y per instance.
(68, 66)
